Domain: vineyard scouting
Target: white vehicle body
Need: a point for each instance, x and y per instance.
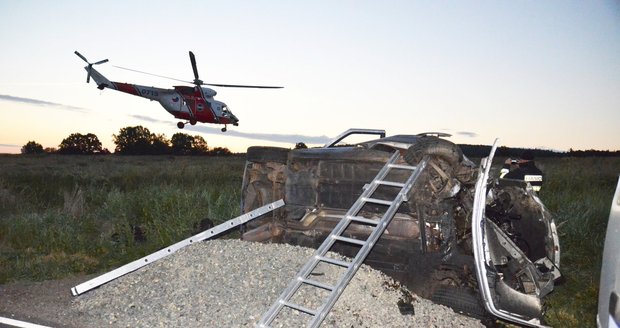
(608, 303)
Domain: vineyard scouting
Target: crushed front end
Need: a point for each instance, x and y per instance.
(516, 248)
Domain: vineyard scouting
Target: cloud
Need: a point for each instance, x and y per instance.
(42, 103)
(467, 134)
(286, 138)
(148, 119)
(11, 146)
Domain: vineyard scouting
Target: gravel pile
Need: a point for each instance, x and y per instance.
(231, 283)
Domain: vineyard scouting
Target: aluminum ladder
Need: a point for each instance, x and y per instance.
(351, 217)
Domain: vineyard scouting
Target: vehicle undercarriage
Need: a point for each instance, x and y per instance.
(429, 245)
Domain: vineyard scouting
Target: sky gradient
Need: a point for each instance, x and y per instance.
(542, 74)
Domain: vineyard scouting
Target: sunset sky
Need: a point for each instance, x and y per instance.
(542, 74)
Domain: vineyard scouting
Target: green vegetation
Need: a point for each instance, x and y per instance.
(579, 192)
(63, 215)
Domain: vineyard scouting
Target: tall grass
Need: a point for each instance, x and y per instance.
(579, 192)
(62, 215)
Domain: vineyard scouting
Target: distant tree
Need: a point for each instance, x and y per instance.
(182, 143)
(220, 151)
(32, 147)
(81, 144)
(199, 146)
(300, 145)
(52, 150)
(160, 144)
(185, 144)
(134, 140)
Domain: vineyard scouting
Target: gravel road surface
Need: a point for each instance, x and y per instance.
(223, 283)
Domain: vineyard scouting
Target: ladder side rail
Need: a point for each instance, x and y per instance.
(365, 250)
(143, 261)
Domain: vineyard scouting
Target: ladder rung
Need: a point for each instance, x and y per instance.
(298, 307)
(333, 261)
(400, 166)
(390, 183)
(316, 283)
(363, 220)
(349, 240)
(378, 201)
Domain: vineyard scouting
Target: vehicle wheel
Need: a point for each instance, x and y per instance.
(462, 300)
(434, 146)
(192, 122)
(180, 125)
(267, 154)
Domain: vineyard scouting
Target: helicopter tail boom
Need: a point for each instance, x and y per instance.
(102, 81)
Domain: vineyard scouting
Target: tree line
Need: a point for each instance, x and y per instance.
(134, 140)
(480, 151)
(138, 140)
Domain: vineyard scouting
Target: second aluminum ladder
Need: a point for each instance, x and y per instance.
(352, 216)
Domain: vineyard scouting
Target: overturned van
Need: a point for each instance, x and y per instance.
(486, 247)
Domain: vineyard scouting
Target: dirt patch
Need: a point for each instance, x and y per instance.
(44, 303)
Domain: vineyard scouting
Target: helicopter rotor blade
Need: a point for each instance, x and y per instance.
(192, 58)
(80, 55)
(88, 75)
(147, 73)
(243, 86)
(101, 62)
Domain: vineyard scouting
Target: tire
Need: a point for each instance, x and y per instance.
(462, 300)
(434, 146)
(267, 154)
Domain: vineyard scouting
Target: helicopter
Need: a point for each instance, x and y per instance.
(190, 104)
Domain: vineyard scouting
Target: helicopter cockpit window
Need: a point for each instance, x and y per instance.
(225, 111)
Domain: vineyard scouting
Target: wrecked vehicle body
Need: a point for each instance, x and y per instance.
(429, 244)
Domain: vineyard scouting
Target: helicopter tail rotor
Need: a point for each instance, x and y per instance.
(90, 65)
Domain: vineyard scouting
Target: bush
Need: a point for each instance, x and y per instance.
(32, 147)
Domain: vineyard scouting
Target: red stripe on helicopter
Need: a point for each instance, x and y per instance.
(127, 88)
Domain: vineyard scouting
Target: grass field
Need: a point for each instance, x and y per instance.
(579, 192)
(65, 215)
(62, 215)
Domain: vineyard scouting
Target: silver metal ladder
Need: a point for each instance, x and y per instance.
(320, 256)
